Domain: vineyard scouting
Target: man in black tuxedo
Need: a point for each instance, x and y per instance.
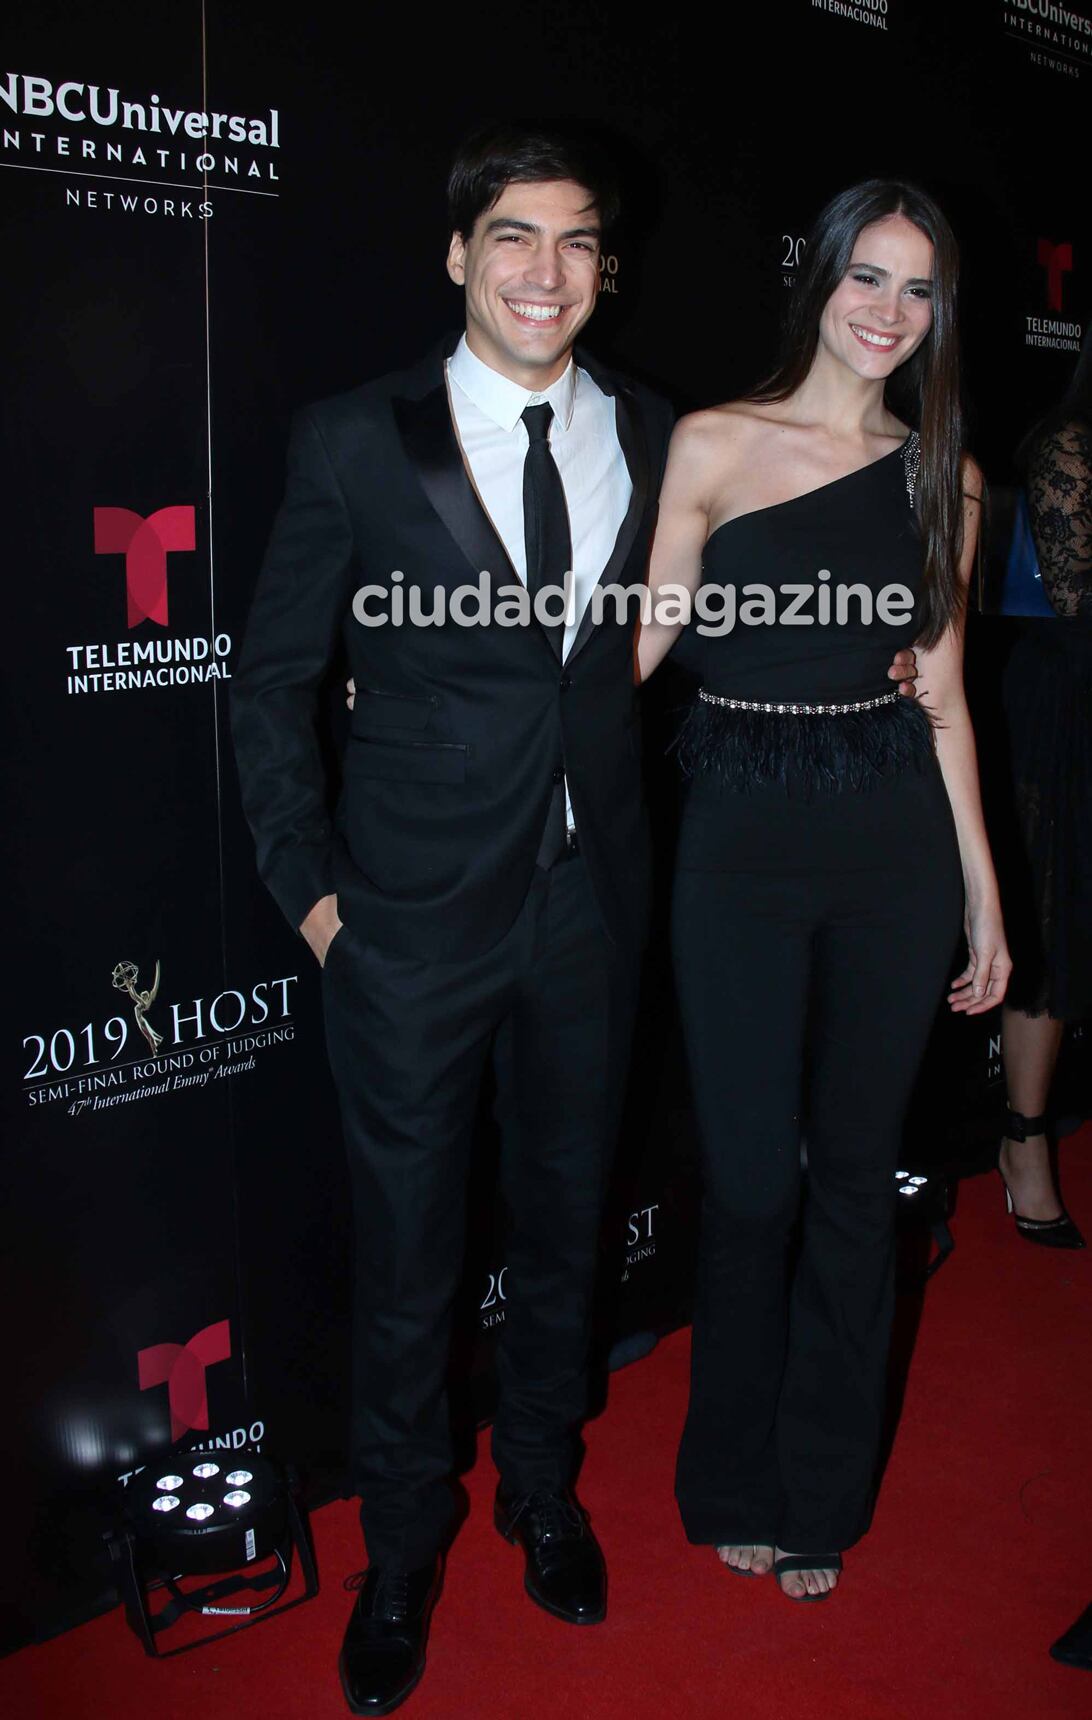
(480, 895)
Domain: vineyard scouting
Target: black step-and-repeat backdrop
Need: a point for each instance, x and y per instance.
(213, 214)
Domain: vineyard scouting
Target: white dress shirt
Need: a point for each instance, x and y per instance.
(487, 408)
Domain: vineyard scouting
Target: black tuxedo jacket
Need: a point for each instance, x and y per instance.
(458, 733)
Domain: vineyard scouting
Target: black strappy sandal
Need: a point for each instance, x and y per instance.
(1047, 1232)
(806, 1562)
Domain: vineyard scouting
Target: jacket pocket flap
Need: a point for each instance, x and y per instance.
(408, 761)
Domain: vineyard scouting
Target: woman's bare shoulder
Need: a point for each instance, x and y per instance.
(738, 427)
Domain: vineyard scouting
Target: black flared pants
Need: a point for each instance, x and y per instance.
(812, 942)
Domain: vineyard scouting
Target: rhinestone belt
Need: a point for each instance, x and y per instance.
(797, 710)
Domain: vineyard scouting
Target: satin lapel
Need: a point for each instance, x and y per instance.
(631, 437)
(428, 436)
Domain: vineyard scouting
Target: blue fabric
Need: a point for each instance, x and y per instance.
(1022, 592)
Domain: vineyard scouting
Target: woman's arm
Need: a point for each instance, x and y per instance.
(681, 530)
(1060, 509)
(982, 983)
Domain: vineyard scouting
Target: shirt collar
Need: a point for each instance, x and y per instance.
(505, 401)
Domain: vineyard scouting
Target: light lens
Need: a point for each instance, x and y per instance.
(165, 1502)
(904, 1188)
(238, 1478)
(237, 1498)
(918, 1182)
(205, 1470)
(168, 1483)
(200, 1511)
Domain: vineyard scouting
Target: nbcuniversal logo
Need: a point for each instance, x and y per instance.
(90, 133)
(80, 103)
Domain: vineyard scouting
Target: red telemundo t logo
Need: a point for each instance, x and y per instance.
(181, 1368)
(145, 544)
(1057, 260)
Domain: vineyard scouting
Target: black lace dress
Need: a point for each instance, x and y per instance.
(1047, 879)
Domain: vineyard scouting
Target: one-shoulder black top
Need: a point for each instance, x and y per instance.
(821, 591)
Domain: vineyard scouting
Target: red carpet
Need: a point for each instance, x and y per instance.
(980, 1555)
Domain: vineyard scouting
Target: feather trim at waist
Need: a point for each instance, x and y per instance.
(743, 744)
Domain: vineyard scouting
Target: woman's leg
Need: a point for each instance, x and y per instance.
(742, 950)
(883, 954)
(1029, 1047)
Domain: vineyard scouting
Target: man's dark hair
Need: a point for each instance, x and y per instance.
(494, 156)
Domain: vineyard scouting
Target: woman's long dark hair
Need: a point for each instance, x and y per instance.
(924, 392)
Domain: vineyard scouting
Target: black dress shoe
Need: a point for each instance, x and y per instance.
(383, 1655)
(1075, 1647)
(566, 1572)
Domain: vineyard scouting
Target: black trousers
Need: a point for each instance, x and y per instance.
(811, 944)
(409, 1042)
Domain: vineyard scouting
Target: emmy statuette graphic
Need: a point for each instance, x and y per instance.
(124, 979)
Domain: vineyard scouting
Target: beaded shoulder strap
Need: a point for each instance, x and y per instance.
(911, 461)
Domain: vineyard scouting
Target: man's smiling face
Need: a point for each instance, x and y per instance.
(531, 273)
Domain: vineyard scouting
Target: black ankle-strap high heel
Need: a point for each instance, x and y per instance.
(1047, 1232)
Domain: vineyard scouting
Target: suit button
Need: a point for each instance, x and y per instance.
(559, 775)
(565, 683)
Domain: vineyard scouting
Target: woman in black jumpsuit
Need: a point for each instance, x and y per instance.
(819, 887)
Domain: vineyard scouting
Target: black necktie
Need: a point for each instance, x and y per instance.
(549, 558)
(545, 517)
